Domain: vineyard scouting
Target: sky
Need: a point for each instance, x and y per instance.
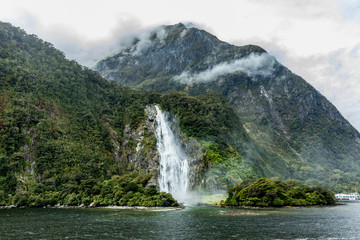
(316, 39)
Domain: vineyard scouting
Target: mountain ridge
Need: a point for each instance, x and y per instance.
(155, 45)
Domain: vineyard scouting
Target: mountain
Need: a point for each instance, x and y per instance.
(65, 132)
(70, 137)
(155, 57)
(289, 129)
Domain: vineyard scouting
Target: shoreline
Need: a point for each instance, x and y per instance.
(277, 208)
(172, 208)
(144, 208)
(105, 207)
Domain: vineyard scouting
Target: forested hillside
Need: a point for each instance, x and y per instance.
(59, 125)
(67, 133)
(70, 137)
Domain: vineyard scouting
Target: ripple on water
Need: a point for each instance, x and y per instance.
(340, 222)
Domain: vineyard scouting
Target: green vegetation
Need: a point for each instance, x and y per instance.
(64, 129)
(125, 190)
(207, 115)
(214, 123)
(60, 124)
(275, 193)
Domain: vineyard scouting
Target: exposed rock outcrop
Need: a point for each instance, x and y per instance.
(139, 148)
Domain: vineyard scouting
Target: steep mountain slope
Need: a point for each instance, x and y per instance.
(168, 51)
(293, 131)
(68, 136)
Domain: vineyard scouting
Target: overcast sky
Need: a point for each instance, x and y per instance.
(316, 39)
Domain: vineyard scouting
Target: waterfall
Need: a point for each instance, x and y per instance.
(174, 165)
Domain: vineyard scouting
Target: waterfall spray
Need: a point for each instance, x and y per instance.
(174, 165)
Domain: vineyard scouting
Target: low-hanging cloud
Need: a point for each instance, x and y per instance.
(253, 65)
(144, 40)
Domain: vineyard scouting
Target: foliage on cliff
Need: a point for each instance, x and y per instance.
(275, 193)
(62, 125)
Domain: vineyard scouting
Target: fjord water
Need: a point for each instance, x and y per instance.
(339, 222)
(174, 166)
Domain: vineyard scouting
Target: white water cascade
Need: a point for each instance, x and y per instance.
(174, 165)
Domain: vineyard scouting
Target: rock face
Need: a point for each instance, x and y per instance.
(296, 131)
(168, 51)
(139, 148)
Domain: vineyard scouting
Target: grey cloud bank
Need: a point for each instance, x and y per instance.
(79, 47)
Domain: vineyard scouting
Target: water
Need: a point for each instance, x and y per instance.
(174, 166)
(340, 222)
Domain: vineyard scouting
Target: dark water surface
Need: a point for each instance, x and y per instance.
(340, 222)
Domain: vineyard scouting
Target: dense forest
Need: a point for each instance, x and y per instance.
(55, 118)
(57, 125)
(275, 193)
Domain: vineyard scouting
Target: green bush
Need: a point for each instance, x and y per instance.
(275, 193)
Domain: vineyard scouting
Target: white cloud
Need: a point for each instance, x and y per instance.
(80, 47)
(253, 65)
(144, 39)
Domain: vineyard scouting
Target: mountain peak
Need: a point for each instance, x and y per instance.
(169, 50)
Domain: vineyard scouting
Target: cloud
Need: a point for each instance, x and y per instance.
(349, 9)
(317, 40)
(88, 52)
(77, 46)
(306, 27)
(144, 39)
(253, 65)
